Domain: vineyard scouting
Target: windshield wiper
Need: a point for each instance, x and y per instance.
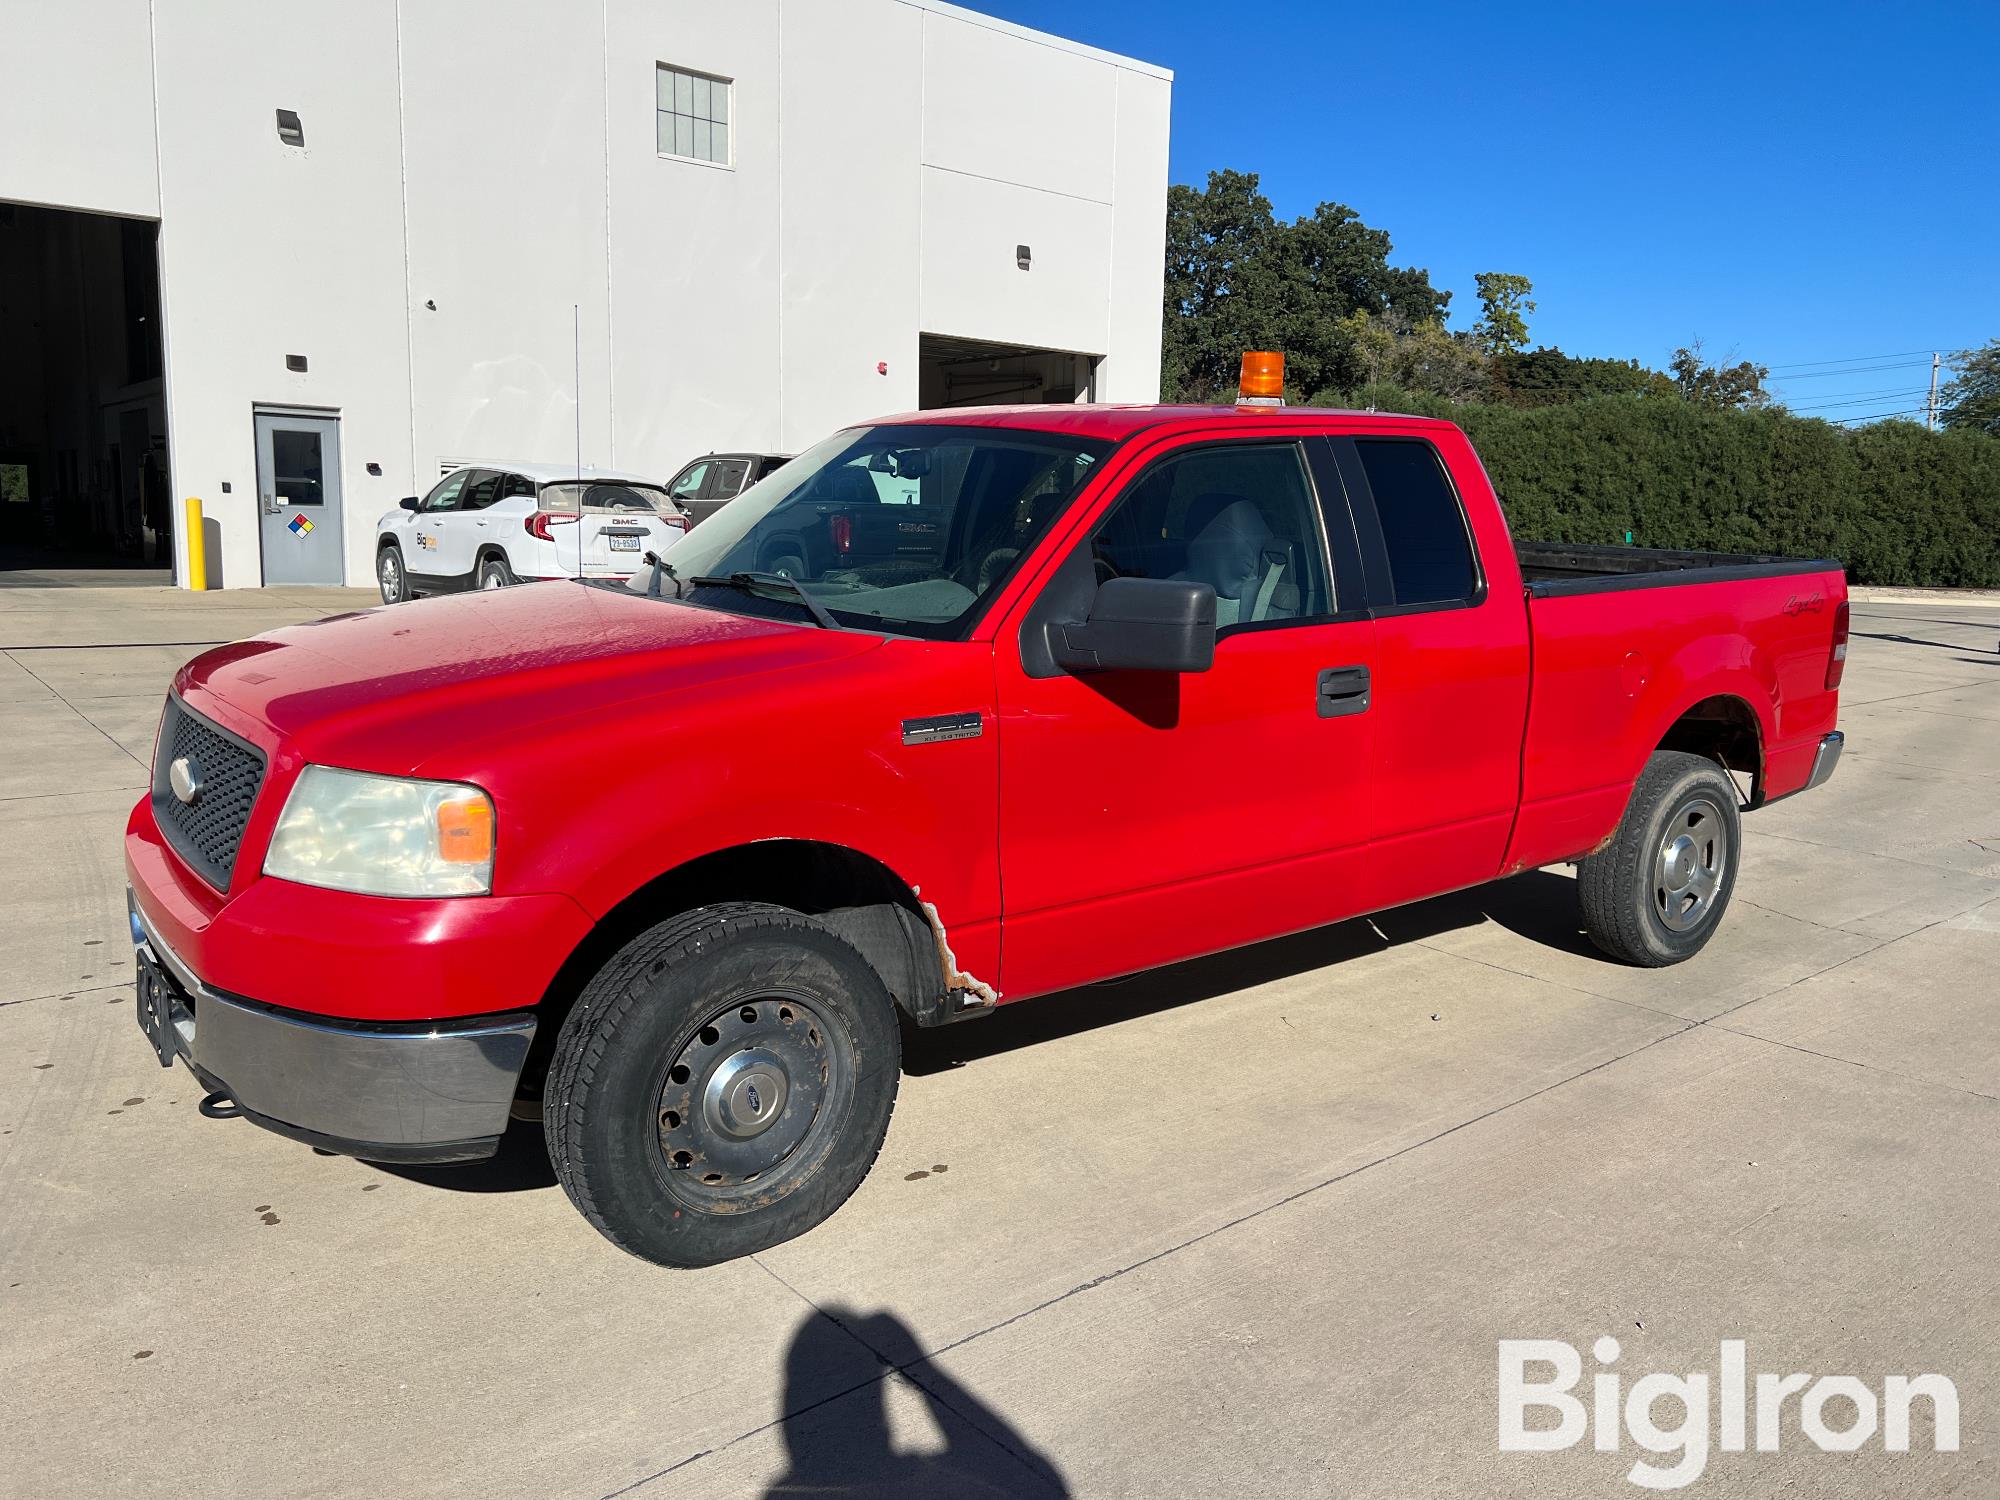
(662, 569)
(748, 582)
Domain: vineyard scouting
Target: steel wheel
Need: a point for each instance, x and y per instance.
(1687, 872)
(746, 1104)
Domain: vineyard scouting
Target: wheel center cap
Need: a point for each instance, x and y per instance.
(746, 1094)
(1678, 862)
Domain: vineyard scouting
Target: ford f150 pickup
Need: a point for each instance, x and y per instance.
(956, 709)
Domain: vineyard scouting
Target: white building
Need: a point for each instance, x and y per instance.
(745, 221)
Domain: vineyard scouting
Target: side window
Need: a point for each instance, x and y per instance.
(1423, 525)
(515, 485)
(1240, 517)
(482, 492)
(727, 478)
(445, 496)
(687, 484)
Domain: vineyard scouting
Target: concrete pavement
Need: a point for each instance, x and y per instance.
(1119, 1242)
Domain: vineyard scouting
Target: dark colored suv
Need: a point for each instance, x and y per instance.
(703, 487)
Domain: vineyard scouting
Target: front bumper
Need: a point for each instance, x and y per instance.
(432, 1091)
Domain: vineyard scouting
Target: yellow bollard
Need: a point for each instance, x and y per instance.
(197, 551)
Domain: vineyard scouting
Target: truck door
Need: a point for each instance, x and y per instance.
(1451, 665)
(1148, 817)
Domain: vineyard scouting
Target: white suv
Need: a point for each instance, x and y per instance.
(484, 527)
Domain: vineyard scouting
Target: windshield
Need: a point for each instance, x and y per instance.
(907, 529)
(607, 496)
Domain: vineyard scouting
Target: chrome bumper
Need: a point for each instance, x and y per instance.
(431, 1091)
(1825, 759)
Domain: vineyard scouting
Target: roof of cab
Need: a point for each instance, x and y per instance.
(1121, 421)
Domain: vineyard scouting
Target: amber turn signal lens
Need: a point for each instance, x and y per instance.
(465, 831)
(1263, 375)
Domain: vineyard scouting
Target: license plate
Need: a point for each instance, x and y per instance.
(156, 1011)
(625, 543)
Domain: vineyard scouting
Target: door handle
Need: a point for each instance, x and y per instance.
(1343, 690)
(270, 505)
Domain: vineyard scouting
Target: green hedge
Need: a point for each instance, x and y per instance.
(1896, 504)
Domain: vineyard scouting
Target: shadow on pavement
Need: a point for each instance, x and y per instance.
(521, 1165)
(1539, 906)
(844, 1446)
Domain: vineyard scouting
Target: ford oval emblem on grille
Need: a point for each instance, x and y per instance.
(184, 776)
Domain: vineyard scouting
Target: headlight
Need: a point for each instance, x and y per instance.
(386, 835)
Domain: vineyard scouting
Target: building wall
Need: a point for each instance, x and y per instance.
(76, 106)
(268, 250)
(480, 177)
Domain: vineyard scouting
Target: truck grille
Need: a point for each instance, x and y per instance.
(206, 831)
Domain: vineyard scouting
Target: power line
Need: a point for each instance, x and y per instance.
(1859, 398)
(1852, 359)
(1910, 364)
(1872, 416)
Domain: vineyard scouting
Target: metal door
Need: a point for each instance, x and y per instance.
(298, 498)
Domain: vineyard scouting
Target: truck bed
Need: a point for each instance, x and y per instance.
(1552, 569)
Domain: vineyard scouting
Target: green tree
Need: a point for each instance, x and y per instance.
(1387, 350)
(1972, 400)
(1237, 278)
(1504, 304)
(1717, 387)
(1221, 284)
(1549, 377)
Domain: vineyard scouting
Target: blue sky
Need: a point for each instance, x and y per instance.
(1794, 184)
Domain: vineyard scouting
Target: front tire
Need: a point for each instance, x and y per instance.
(390, 577)
(723, 1084)
(1655, 895)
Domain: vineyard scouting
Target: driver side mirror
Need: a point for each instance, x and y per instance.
(1140, 625)
(409, 502)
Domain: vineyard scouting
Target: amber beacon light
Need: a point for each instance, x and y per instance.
(1263, 379)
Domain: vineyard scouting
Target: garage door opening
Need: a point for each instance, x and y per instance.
(969, 372)
(83, 426)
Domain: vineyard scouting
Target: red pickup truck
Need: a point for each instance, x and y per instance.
(955, 709)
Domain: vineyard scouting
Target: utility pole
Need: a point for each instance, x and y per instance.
(1930, 406)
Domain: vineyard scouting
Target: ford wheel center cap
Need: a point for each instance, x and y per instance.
(184, 776)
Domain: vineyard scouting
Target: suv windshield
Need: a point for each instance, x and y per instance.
(607, 495)
(907, 529)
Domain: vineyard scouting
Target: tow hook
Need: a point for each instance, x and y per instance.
(220, 1106)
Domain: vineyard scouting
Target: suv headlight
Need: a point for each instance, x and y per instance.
(385, 835)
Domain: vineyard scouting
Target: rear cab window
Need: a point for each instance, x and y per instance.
(1426, 543)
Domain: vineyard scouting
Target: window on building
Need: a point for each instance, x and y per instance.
(693, 115)
(1430, 557)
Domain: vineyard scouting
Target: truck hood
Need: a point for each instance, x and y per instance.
(386, 689)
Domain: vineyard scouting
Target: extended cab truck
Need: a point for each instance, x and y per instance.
(664, 859)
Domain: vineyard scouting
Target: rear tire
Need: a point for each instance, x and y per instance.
(723, 1084)
(390, 577)
(1655, 895)
(495, 574)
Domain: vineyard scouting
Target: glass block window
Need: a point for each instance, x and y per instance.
(693, 115)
